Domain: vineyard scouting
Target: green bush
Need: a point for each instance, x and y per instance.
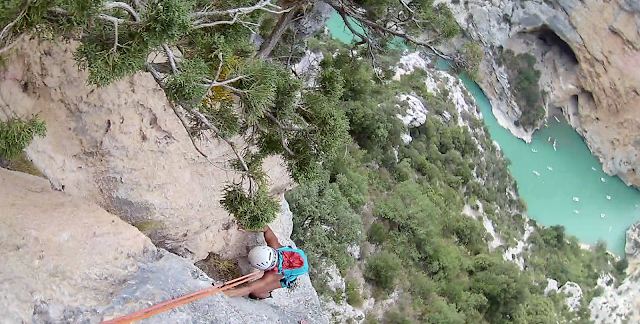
(382, 270)
(352, 290)
(252, 212)
(377, 233)
(16, 134)
(524, 77)
(396, 318)
(473, 54)
(324, 223)
(621, 265)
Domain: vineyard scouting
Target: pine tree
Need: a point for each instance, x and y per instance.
(201, 54)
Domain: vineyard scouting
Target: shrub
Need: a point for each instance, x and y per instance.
(396, 318)
(523, 76)
(16, 134)
(474, 54)
(353, 187)
(324, 222)
(382, 270)
(352, 290)
(219, 268)
(621, 265)
(252, 212)
(377, 233)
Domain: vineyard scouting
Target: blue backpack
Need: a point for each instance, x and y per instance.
(292, 269)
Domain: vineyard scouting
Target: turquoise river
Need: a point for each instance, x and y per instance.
(562, 186)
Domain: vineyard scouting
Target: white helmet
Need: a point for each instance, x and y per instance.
(263, 257)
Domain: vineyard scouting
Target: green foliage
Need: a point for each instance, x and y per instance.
(537, 310)
(16, 134)
(562, 258)
(621, 265)
(396, 318)
(165, 22)
(324, 224)
(424, 246)
(186, 86)
(435, 22)
(353, 186)
(377, 233)
(523, 77)
(473, 53)
(382, 270)
(352, 290)
(252, 212)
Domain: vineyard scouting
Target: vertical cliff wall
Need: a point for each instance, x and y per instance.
(588, 53)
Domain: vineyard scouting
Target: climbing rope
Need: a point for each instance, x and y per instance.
(159, 308)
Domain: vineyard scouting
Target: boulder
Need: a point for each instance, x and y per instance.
(574, 295)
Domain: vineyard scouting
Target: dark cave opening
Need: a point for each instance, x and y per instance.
(551, 39)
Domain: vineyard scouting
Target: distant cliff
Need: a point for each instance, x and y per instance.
(588, 55)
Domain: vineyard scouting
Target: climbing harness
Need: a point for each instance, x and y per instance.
(159, 308)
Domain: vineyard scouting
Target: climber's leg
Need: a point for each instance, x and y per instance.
(260, 287)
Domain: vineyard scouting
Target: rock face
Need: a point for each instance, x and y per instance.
(632, 246)
(66, 260)
(588, 53)
(123, 148)
(315, 19)
(622, 304)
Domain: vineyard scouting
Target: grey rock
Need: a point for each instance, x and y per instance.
(535, 15)
(632, 246)
(64, 260)
(172, 276)
(631, 6)
(314, 20)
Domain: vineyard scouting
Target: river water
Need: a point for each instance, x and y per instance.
(562, 186)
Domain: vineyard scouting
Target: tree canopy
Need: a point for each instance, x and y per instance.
(203, 55)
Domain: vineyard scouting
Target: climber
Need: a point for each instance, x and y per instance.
(281, 265)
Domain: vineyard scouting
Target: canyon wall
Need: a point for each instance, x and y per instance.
(588, 55)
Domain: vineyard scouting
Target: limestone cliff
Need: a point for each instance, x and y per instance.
(123, 148)
(66, 260)
(588, 53)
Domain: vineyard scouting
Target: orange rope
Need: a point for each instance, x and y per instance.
(159, 308)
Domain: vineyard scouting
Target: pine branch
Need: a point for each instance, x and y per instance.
(111, 19)
(348, 11)
(171, 57)
(282, 133)
(200, 18)
(141, 5)
(261, 5)
(216, 83)
(215, 23)
(122, 5)
(5, 33)
(205, 121)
